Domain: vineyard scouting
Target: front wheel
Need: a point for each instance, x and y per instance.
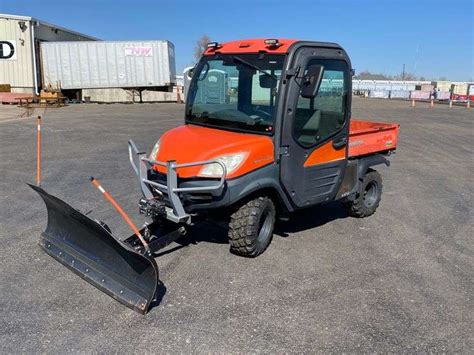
(368, 197)
(251, 227)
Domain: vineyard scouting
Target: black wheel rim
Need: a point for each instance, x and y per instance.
(265, 226)
(370, 194)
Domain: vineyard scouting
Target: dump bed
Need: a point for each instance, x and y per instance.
(366, 137)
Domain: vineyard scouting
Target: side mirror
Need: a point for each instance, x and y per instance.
(204, 71)
(190, 72)
(267, 82)
(312, 81)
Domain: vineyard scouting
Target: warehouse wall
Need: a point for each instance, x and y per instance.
(17, 72)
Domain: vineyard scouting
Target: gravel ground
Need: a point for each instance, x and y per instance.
(399, 281)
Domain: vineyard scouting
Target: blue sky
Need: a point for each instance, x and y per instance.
(433, 38)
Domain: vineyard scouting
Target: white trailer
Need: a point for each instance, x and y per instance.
(109, 64)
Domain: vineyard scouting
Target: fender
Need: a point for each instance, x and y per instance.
(355, 171)
(261, 184)
(263, 178)
(238, 188)
(365, 163)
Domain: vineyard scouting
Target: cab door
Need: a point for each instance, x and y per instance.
(315, 131)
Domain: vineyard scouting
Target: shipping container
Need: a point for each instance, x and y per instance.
(460, 88)
(367, 85)
(420, 95)
(424, 87)
(462, 91)
(444, 86)
(402, 85)
(399, 94)
(443, 95)
(108, 64)
(379, 94)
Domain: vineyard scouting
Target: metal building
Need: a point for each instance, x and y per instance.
(20, 38)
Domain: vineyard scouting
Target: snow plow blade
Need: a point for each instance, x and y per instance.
(91, 251)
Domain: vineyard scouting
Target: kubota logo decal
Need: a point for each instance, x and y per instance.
(7, 50)
(356, 143)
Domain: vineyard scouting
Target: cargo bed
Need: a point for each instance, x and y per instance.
(367, 137)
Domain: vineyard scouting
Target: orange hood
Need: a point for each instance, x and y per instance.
(191, 143)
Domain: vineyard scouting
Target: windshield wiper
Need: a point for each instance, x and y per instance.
(243, 61)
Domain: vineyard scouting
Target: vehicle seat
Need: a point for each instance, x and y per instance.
(310, 129)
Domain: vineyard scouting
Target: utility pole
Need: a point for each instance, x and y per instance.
(403, 73)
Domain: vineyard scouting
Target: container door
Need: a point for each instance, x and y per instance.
(315, 131)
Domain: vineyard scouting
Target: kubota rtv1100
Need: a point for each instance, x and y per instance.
(267, 131)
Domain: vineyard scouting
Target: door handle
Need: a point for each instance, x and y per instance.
(339, 143)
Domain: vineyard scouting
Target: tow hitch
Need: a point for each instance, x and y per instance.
(152, 208)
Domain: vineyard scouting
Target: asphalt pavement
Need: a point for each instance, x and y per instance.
(398, 281)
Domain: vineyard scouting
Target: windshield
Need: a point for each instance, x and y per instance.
(235, 91)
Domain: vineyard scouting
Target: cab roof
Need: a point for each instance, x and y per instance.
(255, 45)
(258, 45)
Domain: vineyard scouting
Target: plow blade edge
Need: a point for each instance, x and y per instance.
(91, 251)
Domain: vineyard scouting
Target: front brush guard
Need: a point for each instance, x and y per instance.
(176, 213)
(91, 251)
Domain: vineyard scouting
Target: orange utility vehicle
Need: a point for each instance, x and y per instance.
(267, 131)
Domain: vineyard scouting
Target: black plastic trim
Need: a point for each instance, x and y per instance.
(238, 188)
(369, 161)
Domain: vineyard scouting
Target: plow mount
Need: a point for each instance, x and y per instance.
(123, 269)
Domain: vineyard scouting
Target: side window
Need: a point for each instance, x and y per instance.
(319, 118)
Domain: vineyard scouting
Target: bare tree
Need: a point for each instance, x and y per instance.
(406, 76)
(201, 46)
(367, 75)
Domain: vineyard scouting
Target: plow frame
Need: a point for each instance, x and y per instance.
(176, 213)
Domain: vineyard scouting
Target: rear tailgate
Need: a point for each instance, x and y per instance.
(366, 137)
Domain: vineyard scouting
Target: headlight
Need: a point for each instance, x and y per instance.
(231, 162)
(154, 151)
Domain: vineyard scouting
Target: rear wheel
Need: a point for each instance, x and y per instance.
(368, 197)
(251, 227)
